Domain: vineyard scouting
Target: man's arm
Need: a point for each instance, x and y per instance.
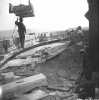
(16, 22)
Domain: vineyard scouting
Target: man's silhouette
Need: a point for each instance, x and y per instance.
(21, 31)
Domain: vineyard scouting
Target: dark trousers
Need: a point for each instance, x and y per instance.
(22, 39)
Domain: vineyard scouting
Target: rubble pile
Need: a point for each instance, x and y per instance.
(61, 72)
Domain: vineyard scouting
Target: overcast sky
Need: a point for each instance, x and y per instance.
(49, 14)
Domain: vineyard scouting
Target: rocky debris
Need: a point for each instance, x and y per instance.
(25, 71)
(42, 56)
(18, 63)
(26, 66)
(79, 43)
(9, 75)
(44, 95)
(26, 51)
(58, 88)
(35, 95)
(61, 72)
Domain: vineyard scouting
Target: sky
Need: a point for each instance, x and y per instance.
(49, 14)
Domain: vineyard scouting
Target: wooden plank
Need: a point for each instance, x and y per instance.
(88, 83)
(24, 85)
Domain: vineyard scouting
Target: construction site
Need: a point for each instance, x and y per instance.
(60, 65)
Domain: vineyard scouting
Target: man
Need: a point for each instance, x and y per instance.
(21, 31)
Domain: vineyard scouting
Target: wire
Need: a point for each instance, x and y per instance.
(14, 27)
(13, 34)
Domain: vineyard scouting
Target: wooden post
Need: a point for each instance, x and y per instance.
(93, 51)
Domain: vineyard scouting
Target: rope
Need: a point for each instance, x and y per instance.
(13, 35)
(13, 31)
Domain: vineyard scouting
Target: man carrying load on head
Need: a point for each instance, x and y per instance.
(21, 31)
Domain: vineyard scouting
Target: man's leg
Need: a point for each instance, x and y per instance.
(18, 41)
(22, 39)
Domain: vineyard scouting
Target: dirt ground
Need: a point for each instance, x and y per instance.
(62, 71)
(67, 65)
